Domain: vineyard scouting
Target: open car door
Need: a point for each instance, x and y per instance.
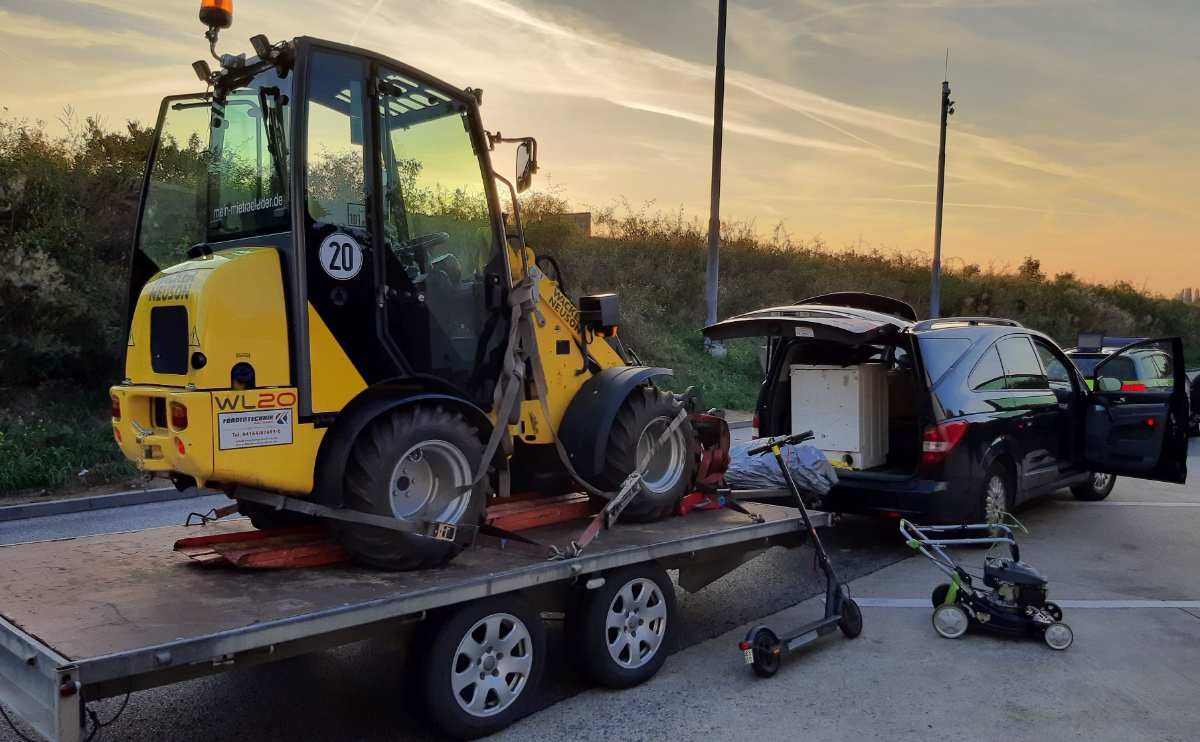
(1136, 418)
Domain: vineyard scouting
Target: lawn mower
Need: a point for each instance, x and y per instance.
(1013, 599)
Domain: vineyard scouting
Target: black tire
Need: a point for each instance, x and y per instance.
(996, 495)
(1096, 488)
(768, 652)
(264, 517)
(448, 452)
(624, 656)
(939, 594)
(444, 657)
(851, 622)
(649, 408)
(1054, 610)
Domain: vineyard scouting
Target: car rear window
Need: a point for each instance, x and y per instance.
(940, 353)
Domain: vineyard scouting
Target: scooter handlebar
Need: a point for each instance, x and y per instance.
(781, 440)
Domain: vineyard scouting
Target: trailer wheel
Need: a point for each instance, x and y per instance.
(483, 666)
(412, 465)
(622, 630)
(640, 422)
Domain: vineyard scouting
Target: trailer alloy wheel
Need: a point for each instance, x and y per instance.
(622, 630)
(669, 466)
(412, 464)
(950, 621)
(483, 665)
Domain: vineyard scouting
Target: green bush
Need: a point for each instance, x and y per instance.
(68, 206)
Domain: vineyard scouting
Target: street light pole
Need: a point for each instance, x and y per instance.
(714, 217)
(935, 294)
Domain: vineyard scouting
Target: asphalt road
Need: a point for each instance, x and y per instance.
(363, 692)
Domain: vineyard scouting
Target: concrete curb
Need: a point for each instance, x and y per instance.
(97, 502)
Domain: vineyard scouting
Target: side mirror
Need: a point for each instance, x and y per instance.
(526, 165)
(1108, 384)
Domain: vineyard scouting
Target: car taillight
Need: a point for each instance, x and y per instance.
(116, 406)
(179, 419)
(940, 440)
(1129, 386)
(754, 426)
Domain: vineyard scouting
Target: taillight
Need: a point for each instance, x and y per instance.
(1130, 386)
(179, 419)
(754, 426)
(116, 406)
(180, 447)
(939, 440)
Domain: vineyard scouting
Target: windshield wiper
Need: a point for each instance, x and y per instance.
(276, 137)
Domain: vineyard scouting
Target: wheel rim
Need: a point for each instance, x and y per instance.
(1058, 636)
(491, 666)
(995, 502)
(950, 621)
(426, 474)
(1100, 481)
(662, 469)
(636, 624)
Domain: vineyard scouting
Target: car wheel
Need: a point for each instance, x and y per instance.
(996, 498)
(1097, 487)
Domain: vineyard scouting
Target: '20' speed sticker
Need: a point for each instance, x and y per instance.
(341, 256)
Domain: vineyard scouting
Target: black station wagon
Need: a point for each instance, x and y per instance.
(981, 413)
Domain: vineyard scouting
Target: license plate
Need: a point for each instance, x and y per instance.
(748, 655)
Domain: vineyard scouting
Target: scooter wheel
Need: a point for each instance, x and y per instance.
(950, 621)
(768, 652)
(850, 621)
(1058, 636)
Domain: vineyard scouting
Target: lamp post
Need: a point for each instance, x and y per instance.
(714, 218)
(935, 294)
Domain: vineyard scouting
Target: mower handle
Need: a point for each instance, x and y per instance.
(781, 440)
(916, 536)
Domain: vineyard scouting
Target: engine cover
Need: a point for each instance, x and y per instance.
(999, 570)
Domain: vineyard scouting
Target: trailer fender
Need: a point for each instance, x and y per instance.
(356, 416)
(589, 418)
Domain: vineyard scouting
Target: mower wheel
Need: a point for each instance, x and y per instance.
(413, 465)
(483, 665)
(1058, 636)
(1096, 488)
(768, 651)
(851, 622)
(1054, 610)
(950, 621)
(939, 594)
(622, 630)
(643, 418)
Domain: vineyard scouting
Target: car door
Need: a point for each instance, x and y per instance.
(1139, 428)
(1032, 413)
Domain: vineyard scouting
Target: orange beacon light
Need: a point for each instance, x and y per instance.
(216, 13)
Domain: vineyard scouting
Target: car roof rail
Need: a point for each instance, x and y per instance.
(941, 322)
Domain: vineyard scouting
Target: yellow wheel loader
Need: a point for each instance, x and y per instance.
(333, 317)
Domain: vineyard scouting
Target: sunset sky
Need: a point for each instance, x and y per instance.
(1077, 137)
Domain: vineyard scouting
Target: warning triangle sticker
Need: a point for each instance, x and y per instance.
(194, 340)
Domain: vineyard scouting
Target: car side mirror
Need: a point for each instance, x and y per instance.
(1108, 384)
(526, 165)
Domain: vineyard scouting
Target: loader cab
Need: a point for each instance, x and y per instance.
(371, 183)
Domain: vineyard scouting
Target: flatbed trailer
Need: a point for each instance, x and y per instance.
(101, 616)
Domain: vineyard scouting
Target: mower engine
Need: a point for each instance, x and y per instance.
(1016, 583)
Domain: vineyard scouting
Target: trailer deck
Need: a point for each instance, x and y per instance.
(98, 616)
